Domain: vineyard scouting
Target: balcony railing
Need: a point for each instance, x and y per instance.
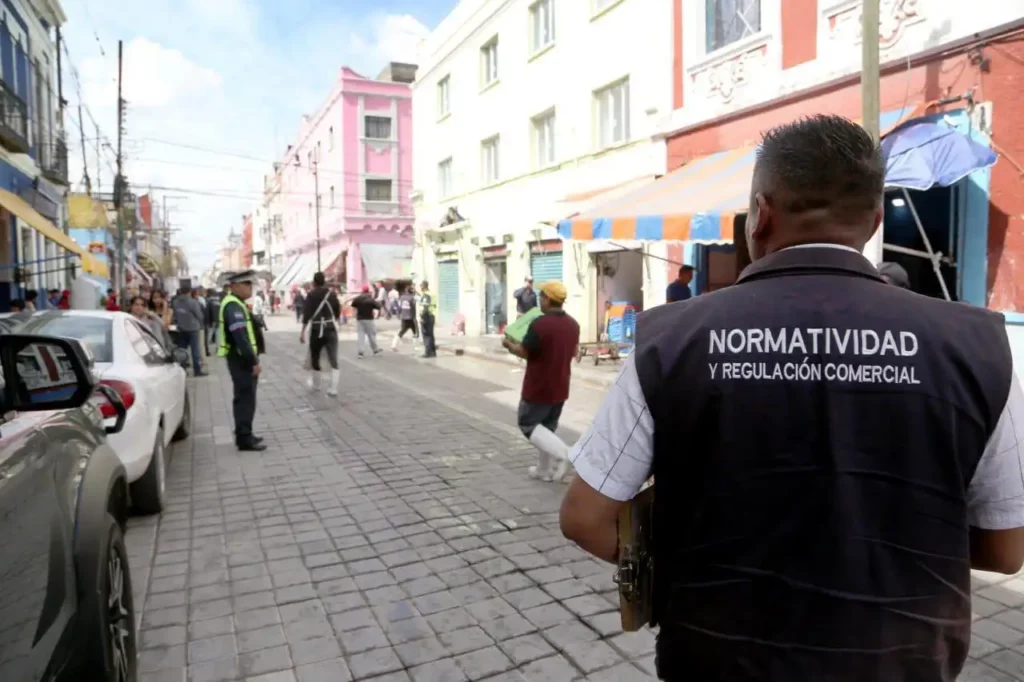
(53, 160)
(13, 120)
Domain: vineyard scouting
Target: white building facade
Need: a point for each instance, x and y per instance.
(527, 112)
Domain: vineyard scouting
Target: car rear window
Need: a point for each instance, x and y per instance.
(94, 332)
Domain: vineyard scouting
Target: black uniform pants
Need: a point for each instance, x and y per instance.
(243, 403)
(323, 341)
(427, 329)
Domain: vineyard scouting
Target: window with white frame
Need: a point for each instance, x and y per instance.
(612, 105)
(489, 168)
(332, 196)
(330, 138)
(377, 128)
(542, 24)
(728, 21)
(489, 62)
(544, 139)
(445, 180)
(378, 190)
(444, 96)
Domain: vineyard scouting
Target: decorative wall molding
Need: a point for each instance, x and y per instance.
(721, 79)
(844, 20)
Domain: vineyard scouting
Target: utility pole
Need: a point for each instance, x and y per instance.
(85, 160)
(869, 95)
(316, 192)
(119, 180)
(99, 183)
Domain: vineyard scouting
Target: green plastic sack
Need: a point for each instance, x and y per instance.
(517, 330)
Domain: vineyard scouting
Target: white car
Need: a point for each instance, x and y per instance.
(147, 375)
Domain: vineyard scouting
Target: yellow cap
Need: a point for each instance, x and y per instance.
(554, 290)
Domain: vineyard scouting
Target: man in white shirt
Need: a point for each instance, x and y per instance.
(832, 455)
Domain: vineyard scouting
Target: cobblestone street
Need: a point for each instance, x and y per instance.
(392, 534)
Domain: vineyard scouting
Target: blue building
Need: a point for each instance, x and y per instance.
(36, 252)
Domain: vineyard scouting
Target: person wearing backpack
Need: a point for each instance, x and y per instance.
(321, 310)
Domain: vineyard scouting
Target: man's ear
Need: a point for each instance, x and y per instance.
(763, 222)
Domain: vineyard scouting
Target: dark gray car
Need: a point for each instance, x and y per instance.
(65, 587)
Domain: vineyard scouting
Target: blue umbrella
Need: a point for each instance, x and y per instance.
(923, 154)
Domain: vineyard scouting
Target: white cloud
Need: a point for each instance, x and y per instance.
(153, 77)
(393, 38)
(219, 75)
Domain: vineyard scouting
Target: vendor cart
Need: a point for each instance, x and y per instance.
(602, 350)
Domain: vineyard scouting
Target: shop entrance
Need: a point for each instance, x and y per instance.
(495, 295)
(922, 233)
(620, 281)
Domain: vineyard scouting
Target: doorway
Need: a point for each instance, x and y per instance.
(495, 295)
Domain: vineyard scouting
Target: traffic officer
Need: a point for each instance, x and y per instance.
(427, 309)
(239, 343)
(832, 455)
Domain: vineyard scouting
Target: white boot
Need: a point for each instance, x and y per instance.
(335, 380)
(394, 343)
(552, 451)
(313, 383)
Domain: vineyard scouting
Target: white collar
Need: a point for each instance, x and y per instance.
(841, 247)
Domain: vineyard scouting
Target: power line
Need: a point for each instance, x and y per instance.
(189, 164)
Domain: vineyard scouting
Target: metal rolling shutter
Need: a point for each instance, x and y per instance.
(545, 267)
(447, 291)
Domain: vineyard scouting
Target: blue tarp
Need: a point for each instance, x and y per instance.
(922, 154)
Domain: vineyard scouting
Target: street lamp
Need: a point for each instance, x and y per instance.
(316, 192)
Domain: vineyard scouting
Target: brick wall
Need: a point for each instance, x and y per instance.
(951, 74)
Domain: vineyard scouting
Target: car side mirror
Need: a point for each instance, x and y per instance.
(180, 356)
(121, 412)
(44, 373)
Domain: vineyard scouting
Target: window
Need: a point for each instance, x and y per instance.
(443, 96)
(489, 160)
(309, 209)
(489, 62)
(157, 347)
(94, 332)
(613, 114)
(542, 24)
(544, 139)
(138, 342)
(378, 190)
(377, 128)
(727, 21)
(330, 138)
(445, 186)
(332, 196)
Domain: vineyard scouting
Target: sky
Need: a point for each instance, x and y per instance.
(215, 91)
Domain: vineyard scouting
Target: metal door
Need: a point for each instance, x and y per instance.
(447, 291)
(545, 267)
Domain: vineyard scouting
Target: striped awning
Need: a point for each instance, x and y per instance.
(697, 202)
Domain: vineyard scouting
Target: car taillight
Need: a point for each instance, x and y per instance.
(124, 389)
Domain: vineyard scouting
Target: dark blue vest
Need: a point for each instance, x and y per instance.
(815, 434)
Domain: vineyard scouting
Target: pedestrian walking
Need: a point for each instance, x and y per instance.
(382, 301)
(322, 309)
(365, 306)
(406, 314)
(188, 318)
(212, 313)
(832, 455)
(298, 302)
(549, 348)
(240, 345)
(427, 319)
(525, 296)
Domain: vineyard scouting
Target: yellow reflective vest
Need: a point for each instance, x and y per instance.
(225, 348)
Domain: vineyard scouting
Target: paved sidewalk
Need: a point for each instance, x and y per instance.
(391, 536)
(365, 546)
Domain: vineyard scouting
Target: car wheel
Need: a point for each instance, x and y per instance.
(185, 427)
(148, 493)
(109, 634)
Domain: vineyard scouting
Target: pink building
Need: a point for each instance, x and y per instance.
(354, 155)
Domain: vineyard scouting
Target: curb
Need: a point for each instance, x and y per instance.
(507, 360)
